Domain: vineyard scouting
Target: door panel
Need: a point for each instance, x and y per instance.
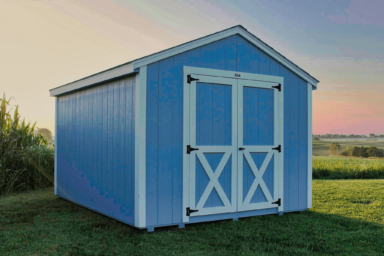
(213, 126)
(257, 124)
(213, 114)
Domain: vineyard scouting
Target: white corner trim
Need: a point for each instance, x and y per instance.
(94, 79)
(140, 132)
(309, 203)
(215, 37)
(186, 121)
(55, 172)
(281, 142)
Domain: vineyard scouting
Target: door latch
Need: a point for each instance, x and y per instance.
(189, 149)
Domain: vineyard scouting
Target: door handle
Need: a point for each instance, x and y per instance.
(241, 148)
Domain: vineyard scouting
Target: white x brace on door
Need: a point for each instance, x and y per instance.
(232, 133)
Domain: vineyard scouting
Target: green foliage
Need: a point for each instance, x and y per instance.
(363, 151)
(25, 160)
(347, 168)
(346, 219)
(315, 138)
(334, 148)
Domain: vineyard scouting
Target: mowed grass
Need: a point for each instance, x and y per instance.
(347, 218)
(321, 147)
(332, 167)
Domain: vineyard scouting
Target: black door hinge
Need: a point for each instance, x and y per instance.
(277, 148)
(189, 211)
(189, 149)
(190, 79)
(277, 87)
(241, 148)
(278, 202)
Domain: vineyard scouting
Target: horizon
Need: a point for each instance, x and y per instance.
(47, 44)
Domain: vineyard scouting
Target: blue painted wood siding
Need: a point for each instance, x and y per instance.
(164, 134)
(95, 138)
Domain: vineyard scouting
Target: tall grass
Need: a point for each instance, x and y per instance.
(347, 168)
(26, 162)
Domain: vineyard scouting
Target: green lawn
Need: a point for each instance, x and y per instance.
(321, 147)
(347, 218)
(333, 167)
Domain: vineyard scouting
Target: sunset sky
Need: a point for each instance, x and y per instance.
(45, 44)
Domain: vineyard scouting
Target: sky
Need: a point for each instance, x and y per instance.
(45, 44)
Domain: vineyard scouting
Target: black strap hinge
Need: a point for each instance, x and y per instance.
(189, 149)
(278, 202)
(189, 211)
(190, 79)
(277, 148)
(277, 87)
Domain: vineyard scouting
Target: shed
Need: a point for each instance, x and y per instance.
(217, 128)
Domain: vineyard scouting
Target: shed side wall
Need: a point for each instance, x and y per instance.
(165, 124)
(95, 153)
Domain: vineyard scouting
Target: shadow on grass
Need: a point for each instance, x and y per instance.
(39, 222)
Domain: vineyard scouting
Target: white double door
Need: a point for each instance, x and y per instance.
(231, 134)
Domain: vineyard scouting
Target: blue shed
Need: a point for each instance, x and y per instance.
(216, 128)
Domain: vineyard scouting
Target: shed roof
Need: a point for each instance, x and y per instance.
(133, 66)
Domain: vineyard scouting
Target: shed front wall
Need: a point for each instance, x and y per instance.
(95, 148)
(164, 132)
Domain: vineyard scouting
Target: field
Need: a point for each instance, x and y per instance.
(321, 147)
(347, 218)
(333, 167)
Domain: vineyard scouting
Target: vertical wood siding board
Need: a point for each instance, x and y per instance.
(242, 54)
(132, 135)
(96, 138)
(128, 146)
(152, 139)
(206, 56)
(264, 60)
(218, 55)
(61, 176)
(122, 149)
(253, 59)
(303, 145)
(263, 116)
(165, 141)
(294, 130)
(194, 59)
(287, 170)
(274, 67)
(177, 135)
(230, 53)
(105, 138)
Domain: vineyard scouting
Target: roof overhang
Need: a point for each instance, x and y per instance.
(133, 66)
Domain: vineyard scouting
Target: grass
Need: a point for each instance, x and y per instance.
(328, 167)
(347, 218)
(321, 147)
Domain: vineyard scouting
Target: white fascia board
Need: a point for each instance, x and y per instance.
(94, 79)
(206, 40)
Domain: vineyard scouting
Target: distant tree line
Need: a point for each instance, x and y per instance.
(356, 151)
(329, 135)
